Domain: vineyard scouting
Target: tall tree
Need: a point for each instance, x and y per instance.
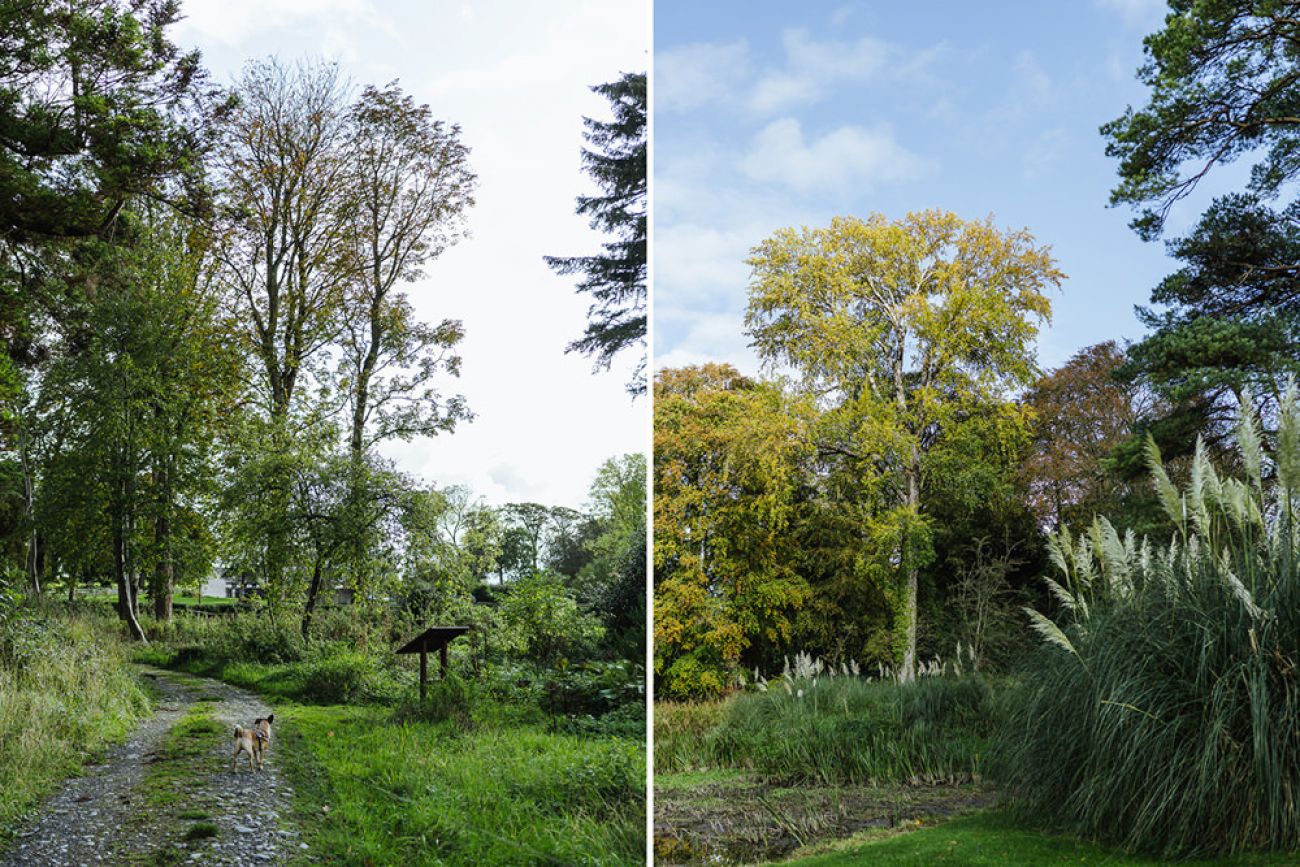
(283, 245)
(615, 279)
(612, 584)
(408, 185)
(97, 105)
(284, 221)
(135, 390)
(1224, 80)
(728, 457)
(1083, 411)
(902, 327)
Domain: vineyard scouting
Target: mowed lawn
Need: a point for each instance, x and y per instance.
(992, 838)
(374, 790)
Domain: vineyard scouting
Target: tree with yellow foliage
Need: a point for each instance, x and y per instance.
(902, 331)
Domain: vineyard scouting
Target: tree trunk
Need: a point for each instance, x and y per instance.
(164, 571)
(38, 561)
(313, 593)
(912, 481)
(907, 672)
(125, 591)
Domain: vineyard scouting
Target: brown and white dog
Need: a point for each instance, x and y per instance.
(253, 741)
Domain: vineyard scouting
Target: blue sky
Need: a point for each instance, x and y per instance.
(516, 76)
(777, 114)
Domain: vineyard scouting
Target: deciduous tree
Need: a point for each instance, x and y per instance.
(901, 329)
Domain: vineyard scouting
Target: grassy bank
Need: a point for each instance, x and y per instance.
(66, 692)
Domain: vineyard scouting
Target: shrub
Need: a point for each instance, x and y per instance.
(449, 698)
(260, 638)
(594, 688)
(680, 728)
(1163, 713)
(853, 730)
(341, 677)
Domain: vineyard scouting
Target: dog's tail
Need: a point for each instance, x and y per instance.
(238, 732)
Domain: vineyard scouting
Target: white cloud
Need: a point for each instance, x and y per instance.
(1044, 151)
(703, 259)
(699, 74)
(231, 23)
(812, 68)
(716, 337)
(702, 74)
(841, 160)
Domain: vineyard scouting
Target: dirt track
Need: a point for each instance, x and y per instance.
(138, 805)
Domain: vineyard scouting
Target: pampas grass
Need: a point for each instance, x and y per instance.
(1163, 710)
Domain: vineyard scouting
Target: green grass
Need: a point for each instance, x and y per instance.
(187, 745)
(206, 601)
(66, 694)
(431, 793)
(200, 831)
(985, 839)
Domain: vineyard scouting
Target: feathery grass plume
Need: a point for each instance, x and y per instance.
(1201, 492)
(1173, 723)
(1165, 490)
(1067, 599)
(1288, 442)
(1050, 631)
(1248, 442)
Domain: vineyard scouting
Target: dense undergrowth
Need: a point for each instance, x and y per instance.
(833, 730)
(348, 660)
(66, 691)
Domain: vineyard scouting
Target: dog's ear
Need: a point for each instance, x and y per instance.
(271, 718)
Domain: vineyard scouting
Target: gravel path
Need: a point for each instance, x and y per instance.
(138, 805)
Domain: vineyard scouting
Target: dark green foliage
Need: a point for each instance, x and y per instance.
(1164, 714)
(616, 279)
(1227, 325)
(1223, 80)
(448, 698)
(339, 678)
(594, 689)
(200, 831)
(96, 106)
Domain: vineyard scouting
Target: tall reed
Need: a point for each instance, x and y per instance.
(1163, 710)
(816, 725)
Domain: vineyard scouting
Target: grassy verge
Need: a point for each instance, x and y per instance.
(66, 693)
(373, 789)
(983, 839)
(205, 601)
